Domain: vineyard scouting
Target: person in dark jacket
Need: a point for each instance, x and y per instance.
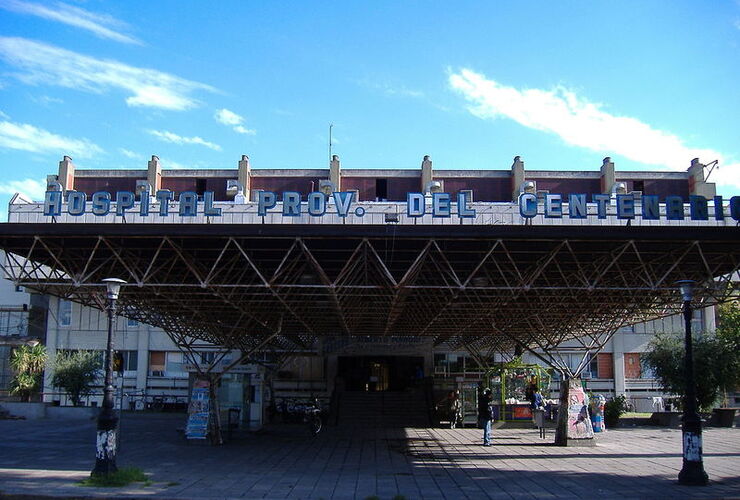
(485, 400)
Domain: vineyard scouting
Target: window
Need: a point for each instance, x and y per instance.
(200, 186)
(207, 358)
(130, 360)
(13, 323)
(697, 320)
(156, 363)
(645, 370)
(64, 317)
(605, 362)
(632, 368)
(6, 373)
(381, 189)
(132, 323)
(174, 365)
(593, 366)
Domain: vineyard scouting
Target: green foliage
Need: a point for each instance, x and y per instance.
(122, 477)
(613, 409)
(75, 372)
(716, 359)
(728, 338)
(28, 364)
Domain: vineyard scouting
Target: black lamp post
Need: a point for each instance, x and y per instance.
(105, 449)
(692, 473)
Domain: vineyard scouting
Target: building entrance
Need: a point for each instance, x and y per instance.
(380, 373)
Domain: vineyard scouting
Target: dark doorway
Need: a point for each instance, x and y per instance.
(380, 373)
(381, 189)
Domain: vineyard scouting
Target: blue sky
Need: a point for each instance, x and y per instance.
(563, 84)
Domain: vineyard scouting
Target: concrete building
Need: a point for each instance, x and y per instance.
(155, 371)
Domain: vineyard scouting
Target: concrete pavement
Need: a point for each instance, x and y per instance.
(48, 457)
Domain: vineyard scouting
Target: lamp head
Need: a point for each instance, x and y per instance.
(114, 287)
(687, 289)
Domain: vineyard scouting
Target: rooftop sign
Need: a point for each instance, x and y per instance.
(342, 204)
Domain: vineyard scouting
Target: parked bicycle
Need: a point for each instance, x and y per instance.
(309, 413)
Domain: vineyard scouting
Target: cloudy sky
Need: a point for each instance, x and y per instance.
(563, 84)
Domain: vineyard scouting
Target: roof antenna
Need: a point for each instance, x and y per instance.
(331, 125)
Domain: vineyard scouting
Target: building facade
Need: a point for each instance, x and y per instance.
(155, 371)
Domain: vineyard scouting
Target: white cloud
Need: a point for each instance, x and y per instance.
(167, 136)
(46, 100)
(26, 137)
(130, 154)
(243, 130)
(227, 117)
(100, 25)
(31, 189)
(581, 123)
(3, 115)
(46, 64)
(391, 90)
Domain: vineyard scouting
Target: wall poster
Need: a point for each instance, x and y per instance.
(579, 422)
(198, 411)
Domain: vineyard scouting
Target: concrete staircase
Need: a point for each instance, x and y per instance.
(383, 409)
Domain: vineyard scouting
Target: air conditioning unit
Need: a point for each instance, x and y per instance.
(52, 183)
(468, 194)
(327, 187)
(142, 186)
(433, 187)
(233, 188)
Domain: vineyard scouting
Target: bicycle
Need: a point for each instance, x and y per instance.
(301, 412)
(312, 416)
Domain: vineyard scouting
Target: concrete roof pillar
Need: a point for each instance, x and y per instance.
(154, 173)
(335, 172)
(427, 173)
(67, 174)
(517, 177)
(697, 184)
(608, 175)
(244, 175)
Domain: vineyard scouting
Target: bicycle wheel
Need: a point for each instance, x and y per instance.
(314, 424)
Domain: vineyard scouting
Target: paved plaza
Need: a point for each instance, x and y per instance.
(48, 457)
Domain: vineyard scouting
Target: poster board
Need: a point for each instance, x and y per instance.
(199, 411)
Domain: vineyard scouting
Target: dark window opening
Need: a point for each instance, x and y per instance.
(638, 186)
(200, 186)
(381, 189)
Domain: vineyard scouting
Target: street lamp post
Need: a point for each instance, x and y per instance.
(692, 473)
(105, 449)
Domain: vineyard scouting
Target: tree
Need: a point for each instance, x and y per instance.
(728, 336)
(716, 359)
(75, 372)
(28, 364)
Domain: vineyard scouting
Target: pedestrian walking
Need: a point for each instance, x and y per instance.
(485, 415)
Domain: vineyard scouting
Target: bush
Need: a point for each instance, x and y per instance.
(28, 364)
(75, 372)
(613, 409)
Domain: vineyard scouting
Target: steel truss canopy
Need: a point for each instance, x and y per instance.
(481, 288)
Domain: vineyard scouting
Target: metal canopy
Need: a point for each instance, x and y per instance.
(480, 288)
